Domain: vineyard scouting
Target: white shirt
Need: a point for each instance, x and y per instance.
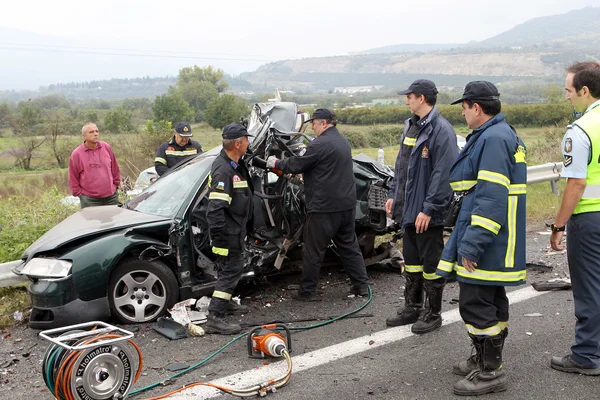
(576, 149)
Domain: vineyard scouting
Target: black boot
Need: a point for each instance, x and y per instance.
(235, 308)
(488, 377)
(413, 300)
(431, 318)
(465, 367)
(216, 323)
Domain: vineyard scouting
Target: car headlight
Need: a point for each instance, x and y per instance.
(47, 268)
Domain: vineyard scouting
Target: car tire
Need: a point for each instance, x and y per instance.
(141, 291)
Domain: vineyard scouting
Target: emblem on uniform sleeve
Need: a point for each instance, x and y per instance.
(236, 178)
(568, 145)
(567, 160)
(220, 186)
(425, 152)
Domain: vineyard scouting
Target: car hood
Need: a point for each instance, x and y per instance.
(87, 222)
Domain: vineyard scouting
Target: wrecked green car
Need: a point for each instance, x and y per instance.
(133, 262)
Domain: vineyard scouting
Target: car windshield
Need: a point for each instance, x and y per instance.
(168, 194)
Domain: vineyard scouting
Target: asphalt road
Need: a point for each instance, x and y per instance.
(354, 358)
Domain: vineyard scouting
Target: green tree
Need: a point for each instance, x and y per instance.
(200, 86)
(118, 120)
(171, 107)
(198, 95)
(91, 116)
(156, 133)
(196, 74)
(225, 110)
(553, 94)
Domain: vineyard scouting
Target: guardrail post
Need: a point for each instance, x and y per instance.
(554, 186)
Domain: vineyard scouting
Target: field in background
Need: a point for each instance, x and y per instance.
(30, 201)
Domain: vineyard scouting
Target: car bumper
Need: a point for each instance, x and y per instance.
(56, 304)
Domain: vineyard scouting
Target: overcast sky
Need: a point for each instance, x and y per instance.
(235, 35)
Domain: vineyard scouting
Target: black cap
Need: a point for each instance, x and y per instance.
(234, 131)
(421, 86)
(184, 129)
(479, 90)
(322, 113)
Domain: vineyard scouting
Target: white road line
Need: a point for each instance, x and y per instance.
(328, 354)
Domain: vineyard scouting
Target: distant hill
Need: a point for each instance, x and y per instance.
(537, 49)
(412, 48)
(579, 28)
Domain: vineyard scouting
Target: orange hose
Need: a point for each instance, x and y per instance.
(63, 377)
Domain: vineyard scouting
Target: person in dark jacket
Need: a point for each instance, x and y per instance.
(180, 147)
(486, 250)
(418, 200)
(229, 210)
(330, 191)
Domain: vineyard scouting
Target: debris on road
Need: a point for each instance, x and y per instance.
(553, 284)
(533, 315)
(538, 267)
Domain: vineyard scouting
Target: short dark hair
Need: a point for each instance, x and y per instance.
(489, 107)
(430, 98)
(586, 74)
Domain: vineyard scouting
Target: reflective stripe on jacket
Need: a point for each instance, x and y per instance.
(230, 204)
(490, 228)
(170, 154)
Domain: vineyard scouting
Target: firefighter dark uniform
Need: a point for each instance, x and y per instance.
(170, 153)
(490, 230)
(228, 214)
(427, 150)
(330, 190)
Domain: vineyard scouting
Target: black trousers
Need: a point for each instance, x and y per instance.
(483, 308)
(583, 253)
(229, 270)
(319, 231)
(422, 251)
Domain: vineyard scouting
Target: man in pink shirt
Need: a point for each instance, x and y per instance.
(93, 171)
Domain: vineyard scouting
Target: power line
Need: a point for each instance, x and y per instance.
(129, 50)
(198, 57)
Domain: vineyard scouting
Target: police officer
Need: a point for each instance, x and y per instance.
(330, 191)
(486, 249)
(418, 199)
(580, 213)
(228, 212)
(179, 148)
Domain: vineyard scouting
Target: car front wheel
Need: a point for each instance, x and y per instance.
(141, 291)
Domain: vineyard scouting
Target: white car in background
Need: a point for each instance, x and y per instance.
(143, 180)
(460, 142)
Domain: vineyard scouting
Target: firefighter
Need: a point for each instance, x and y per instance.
(228, 213)
(418, 199)
(180, 147)
(486, 250)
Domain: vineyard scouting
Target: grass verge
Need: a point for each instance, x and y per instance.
(13, 299)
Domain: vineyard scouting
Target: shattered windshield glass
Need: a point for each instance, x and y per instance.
(167, 195)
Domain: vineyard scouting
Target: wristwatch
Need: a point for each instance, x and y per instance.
(555, 228)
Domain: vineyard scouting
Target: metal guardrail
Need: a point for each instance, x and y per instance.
(549, 172)
(544, 172)
(7, 278)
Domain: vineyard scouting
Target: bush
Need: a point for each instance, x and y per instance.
(24, 219)
(118, 121)
(518, 115)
